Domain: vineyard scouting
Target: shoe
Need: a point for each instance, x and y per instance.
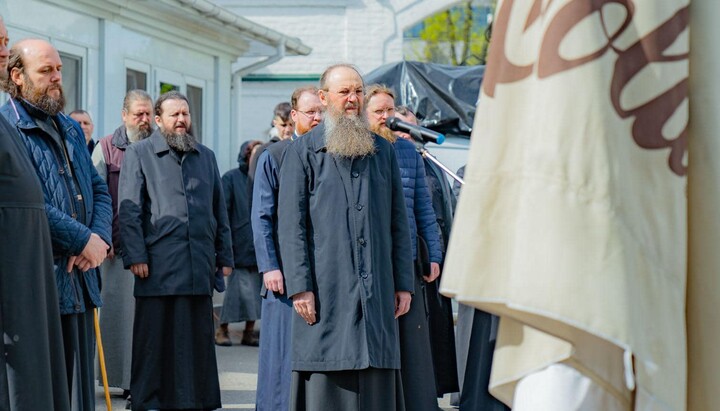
(222, 338)
(128, 404)
(250, 339)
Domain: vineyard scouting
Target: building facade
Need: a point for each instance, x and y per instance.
(234, 59)
(111, 46)
(366, 33)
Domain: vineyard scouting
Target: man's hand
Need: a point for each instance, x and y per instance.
(111, 253)
(95, 250)
(304, 304)
(434, 272)
(274, 281)
(81, 262)
(227, 271)
(140, 269)
(402, 303)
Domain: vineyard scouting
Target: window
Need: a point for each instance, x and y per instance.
(195, 98)
(72, 81)
(135, 80)
(165, 87)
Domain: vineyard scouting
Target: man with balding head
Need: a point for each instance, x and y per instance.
(346, 256)
(77, 203)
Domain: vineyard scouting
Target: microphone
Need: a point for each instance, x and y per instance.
(420, 134)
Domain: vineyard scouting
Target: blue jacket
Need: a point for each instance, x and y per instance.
(421, 215)
(69, 236)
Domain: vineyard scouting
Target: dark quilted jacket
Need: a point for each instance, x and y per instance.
(421, 215)
(69, 236)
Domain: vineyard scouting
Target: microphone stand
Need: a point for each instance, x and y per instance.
(419, 144)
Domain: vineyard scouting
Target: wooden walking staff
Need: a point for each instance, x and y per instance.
(101, 356)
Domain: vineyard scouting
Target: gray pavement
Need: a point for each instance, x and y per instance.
(237, 366)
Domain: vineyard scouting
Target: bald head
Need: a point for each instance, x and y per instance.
(35, 74)
(341, 90)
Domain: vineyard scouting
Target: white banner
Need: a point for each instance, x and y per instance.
(572, 224)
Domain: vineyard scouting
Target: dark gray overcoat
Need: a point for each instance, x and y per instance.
(344, 235)
(159, 190)
(32, 364)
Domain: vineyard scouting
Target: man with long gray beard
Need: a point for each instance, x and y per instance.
(175, 235)
(77, 203)
(347, 260)
(116, 319)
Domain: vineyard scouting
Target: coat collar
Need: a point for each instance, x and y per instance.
(120, 138)
(158, 142)
(317, 138)
(25, 120)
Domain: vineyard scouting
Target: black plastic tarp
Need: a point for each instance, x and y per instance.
(443, 97)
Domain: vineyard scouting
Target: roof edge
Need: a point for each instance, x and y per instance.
(293, 45)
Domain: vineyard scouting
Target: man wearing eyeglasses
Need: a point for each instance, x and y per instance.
(116, 318)
(273, 389)
(306, 110)
(346, 256)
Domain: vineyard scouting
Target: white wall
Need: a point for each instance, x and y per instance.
(108, 46)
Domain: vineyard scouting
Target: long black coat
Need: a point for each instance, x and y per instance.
(29, 309)
(344, 235)
(235, 186)
(173, 217)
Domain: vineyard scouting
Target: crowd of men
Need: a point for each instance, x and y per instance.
(335, 230)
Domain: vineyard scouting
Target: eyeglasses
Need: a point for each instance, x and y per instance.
(310, 113)
(389, 111)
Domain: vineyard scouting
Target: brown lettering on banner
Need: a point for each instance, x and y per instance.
(550, 62)
(499, 68)
(650, 117)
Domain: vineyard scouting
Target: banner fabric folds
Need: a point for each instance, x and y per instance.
(572, 225)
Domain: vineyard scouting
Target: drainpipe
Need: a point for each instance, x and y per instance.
(237, 76)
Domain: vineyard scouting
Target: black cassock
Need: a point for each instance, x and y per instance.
(34, 375)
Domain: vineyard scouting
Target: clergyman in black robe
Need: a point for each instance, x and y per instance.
(347, 257)
(33, 365)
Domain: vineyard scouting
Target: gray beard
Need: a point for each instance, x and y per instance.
(137, 134)
(348, 136)
(182, 142)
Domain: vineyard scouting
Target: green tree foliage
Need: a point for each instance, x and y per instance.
(455, 37)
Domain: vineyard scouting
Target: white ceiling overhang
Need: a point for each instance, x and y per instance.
(196, 24)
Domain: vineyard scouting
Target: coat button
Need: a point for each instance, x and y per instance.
(358, 206)
(363, 274)
(355, 174)
(361, 241)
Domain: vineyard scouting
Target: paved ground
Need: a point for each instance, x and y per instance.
(238, 377)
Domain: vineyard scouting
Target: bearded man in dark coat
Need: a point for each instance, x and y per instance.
(175, 235)
(346, 252)
(33, 368)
